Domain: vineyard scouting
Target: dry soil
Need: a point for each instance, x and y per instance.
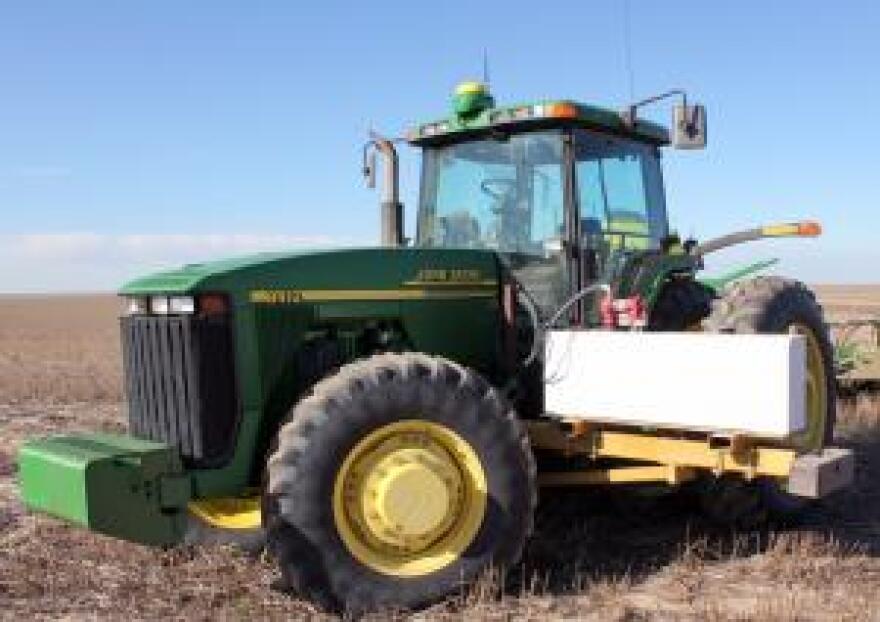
(595, 555)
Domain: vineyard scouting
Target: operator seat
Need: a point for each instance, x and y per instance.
(461, 229)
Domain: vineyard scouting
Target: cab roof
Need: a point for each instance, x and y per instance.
(535, 115)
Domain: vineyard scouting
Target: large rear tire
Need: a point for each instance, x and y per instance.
(396, 482)
(772, 304)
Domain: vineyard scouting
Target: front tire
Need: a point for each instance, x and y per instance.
(396, 482)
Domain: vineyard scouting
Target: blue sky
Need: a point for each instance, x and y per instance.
(138, 135)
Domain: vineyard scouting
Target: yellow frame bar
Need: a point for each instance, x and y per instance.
(624, 475)
(740, 455)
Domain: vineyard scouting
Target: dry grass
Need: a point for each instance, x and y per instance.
(590, 559)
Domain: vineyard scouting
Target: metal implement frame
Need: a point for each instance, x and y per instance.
(675, 458)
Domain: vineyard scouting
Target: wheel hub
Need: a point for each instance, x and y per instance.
(409, 498)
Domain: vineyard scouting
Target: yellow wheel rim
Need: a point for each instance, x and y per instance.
(409, 498)
(229, 512)
(813, 436)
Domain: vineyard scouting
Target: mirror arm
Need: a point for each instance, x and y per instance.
(628, 114)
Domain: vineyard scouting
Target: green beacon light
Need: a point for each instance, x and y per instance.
(471, 98)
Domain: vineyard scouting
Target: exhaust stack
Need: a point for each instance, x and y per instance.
(392, 209)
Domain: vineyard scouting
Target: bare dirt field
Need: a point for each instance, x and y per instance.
(59, 371)
(849, 300)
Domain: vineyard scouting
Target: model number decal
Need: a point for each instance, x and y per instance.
(444, 275)
(275, 296)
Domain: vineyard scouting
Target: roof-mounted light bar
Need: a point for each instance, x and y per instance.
(501, 116)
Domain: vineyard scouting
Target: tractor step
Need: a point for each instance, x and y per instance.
(118, 485)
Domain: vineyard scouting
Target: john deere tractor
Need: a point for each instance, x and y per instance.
(372, 416)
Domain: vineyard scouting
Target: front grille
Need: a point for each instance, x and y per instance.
(180, 384)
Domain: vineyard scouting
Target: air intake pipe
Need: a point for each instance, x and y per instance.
(392, 209)
(806, 228)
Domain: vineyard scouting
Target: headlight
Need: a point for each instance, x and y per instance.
(136, 306)
(159, 305)
(181, 305)
(172, 305)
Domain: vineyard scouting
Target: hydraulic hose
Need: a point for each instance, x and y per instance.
(540, 329)
(575, 298)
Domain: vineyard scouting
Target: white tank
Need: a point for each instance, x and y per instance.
(724, 384)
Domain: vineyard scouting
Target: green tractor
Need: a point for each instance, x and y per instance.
(373, 416)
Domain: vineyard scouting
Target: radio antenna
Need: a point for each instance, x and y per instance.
(485, 66)
(627, 48)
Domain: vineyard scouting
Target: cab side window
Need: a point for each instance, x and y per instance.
(620, 192)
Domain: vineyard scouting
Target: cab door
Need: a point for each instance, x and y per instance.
(620, 205)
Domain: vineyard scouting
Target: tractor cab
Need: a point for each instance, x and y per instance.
(560, 190)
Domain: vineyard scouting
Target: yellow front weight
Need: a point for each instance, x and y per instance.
(409, 498)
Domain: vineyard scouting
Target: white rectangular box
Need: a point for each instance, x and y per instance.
(720, 383)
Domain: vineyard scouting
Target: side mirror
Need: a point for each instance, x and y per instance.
(689, 126)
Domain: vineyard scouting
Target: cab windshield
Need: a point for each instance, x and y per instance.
(504, 194)
(507, 194)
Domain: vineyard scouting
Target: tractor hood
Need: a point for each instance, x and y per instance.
(192, 277)
(343, 274)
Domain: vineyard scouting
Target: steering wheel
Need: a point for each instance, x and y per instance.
(501, 190)
(497, 187)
